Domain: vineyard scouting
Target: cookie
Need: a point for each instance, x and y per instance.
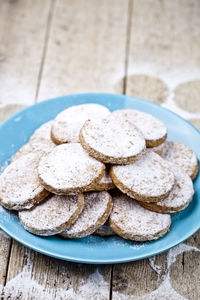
(96, 211)
(40, 141)
(148, 179)
(131, 221)
(154, 130)
(104, 230)
(112, 140)
(68, 123)
(68, 169)
(53, 215)
(182, 156)
(104, 184)
(180, 196)
(19, 184)
(157, 149)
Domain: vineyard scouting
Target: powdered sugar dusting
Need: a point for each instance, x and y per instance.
(182, 192)
(149, 177)
(96, 204)
(113, 137)
(181, 155)
(24, 283)
(68, 123)
(152, 128)
(55, 212)
(165, 291)
(134, 220)
(68, 166)
(20, 184)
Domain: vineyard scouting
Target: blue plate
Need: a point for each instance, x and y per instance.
(93, 249)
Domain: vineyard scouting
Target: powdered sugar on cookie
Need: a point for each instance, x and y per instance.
(180, 196)
(112, 140)
(130, 220)
(154, 130)
(53, 215)
(69, 169)
(68, 123)
(19, 184)
(96, 210)
(148, 179)
(181, 155)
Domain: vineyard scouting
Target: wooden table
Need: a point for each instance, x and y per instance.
(146, 48)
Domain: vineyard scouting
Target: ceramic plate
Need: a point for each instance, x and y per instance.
(93, 249)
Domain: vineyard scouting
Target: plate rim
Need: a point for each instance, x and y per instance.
(101, 261)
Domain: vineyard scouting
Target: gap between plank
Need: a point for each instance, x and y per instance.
(8, 263)
(46, 39)
(128, 38)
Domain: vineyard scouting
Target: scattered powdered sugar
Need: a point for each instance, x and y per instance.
(182, 192)
(95, 208)
(165, 291)
(25, 284)
(155, 267)
(20, 184)
(113, 137)
(181, 155)
(4, 166)
(152, 128)
(68, 123)
(149, 177)
(134, 220)
(52, 215)
(68, 166)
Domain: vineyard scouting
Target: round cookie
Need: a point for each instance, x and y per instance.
(154, 130)
(53, 215)
(157, 149)
(40, 141)
(180, 196)
(68, 169)
(104, 184)
(131, 221)
(182, 156)
(42, 134)
(19, 184)
(96, 211)
(112, 140)
(148, 179)
(104, 230)
(68, 123)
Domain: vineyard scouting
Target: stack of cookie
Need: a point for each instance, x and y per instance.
(59, 180)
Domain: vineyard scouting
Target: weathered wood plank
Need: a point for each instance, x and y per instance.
(71, 65)
(164, 47)
(22, 34)
(86, 48)
(35, 276)
(163, 53)
(5, 243)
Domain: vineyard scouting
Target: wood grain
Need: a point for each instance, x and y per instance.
(73, 60)
(35, 276)
(163, 46)
(86, 48)
(5, 243)
(22, 34)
